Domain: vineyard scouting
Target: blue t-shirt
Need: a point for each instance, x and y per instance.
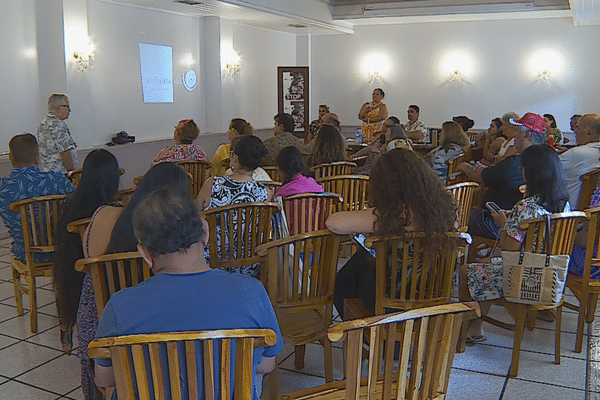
(191, 302)
(25, 183)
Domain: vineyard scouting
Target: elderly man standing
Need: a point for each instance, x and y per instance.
(583, 158)
(57, 149)
(415, 129)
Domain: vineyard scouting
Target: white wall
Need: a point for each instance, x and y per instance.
(500, 51)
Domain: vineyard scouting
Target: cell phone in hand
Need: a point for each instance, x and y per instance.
(493, 207)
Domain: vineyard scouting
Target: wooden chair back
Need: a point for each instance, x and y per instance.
(113, 272)
(586, 289)
(333, 169)
(426, 341)
(274, 173)
(422, 275)
(124, 196)
(39, 218)
(75, 175)
(197, 365)
(79, 227)
(588, 185)
(307, 212)
(299, 278)
(353, 189)
(198, 169)
(463, 194)
(235, 231)
(453, 172)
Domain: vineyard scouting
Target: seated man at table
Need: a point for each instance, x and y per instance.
(24, 182)
(184, 294)
(415, 129)
(283, 137)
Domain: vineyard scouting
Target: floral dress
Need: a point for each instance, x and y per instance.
(485, 279)
(372, 130)
(226, 191)
(180, 152)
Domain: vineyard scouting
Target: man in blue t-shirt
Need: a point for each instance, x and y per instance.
(24, 182)
(184, 294)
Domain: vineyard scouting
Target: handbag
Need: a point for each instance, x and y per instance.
(535, 278)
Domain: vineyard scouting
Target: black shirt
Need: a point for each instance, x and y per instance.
(503, 180)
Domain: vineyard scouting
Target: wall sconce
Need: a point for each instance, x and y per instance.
(230, 61)
(84, 57)
(373, 77)
(455, 76)
(233, 68)
(543, 76)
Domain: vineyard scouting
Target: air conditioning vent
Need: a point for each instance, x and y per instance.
(188, 2)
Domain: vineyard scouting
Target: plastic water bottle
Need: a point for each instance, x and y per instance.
(359, 136)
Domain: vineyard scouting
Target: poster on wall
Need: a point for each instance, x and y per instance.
(156, 70)
(292, 83)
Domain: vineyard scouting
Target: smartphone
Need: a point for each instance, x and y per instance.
(493, 207)
(360, 239)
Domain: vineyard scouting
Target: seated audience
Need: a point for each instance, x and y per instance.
(237, 188)
(171, 234)
(98, 185)
(415, 129)
(185, 133)
(237, 127)
(577, 260)
(508, 147)
(584, 157)
(493, 141)
(328, 147)
(503, 179)
(24, 182)
(284, 137)
(403, 202)
(290, 162)
(401, 142)
(546, 194)
(574, 120)
(553, 134)
(258, 174)
(453, 143)
(379, 146)
(316, 124)
(331, 120)
(111, 231)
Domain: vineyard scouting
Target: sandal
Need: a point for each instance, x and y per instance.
(66, 339)
(472, 339)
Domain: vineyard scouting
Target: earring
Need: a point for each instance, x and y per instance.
(233, 167)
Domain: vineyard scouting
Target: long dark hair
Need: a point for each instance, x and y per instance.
(290, 162)
(161, 175)
(545, 177)
(328, 146)
(98, 185)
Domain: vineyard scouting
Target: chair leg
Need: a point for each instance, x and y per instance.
(581, 319)
(531, 317)
(557, 329)
(519, 330)
(18, 293)
(273, 383)
(299, 356)
(328, 356)
(591, 307)
(33, 321)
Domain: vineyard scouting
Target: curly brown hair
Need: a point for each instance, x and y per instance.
(328, 146)
(404, 190)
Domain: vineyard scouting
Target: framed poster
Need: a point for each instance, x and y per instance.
(292, 93)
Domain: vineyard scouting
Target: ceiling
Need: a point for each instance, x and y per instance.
(318, 17)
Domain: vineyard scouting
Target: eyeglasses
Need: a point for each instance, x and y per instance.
(62, 105)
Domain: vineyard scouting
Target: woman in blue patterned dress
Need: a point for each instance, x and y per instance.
(237, 188)
(546, 194)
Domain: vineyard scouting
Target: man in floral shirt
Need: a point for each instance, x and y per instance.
(56, 146)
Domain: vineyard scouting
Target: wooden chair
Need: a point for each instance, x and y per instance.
(426, 340)
(453, 172)
(124, 196)
(463, 193)
(273, 172)
(39, 217)
(307, 212)
(584, 288)
(299, 279)
(588, 185)
(564, 228)
(199, 172)
(79, 227)
(353, 189)
(333, 169)
(235, 231)
(113, 272)
(143, 363)
(75, 175)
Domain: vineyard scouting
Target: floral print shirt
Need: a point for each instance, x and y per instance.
(528, 208)
(54, 138)
(180, 152)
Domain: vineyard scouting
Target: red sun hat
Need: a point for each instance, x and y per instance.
(532, 121)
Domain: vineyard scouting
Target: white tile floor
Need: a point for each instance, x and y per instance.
(33, 367)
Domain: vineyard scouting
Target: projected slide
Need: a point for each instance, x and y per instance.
(156, 67)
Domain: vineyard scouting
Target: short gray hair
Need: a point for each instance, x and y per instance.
(57, 99)
(534, 137)
(506, 117)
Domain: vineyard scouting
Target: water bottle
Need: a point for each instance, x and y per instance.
(359, 136)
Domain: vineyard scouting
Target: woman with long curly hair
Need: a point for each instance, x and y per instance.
(412, 201)
(328, 146)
